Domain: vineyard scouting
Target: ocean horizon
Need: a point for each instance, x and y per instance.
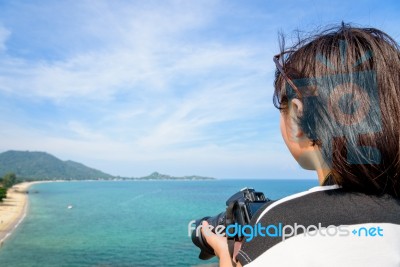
(123, 223)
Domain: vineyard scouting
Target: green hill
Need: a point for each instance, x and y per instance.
(159, 176)
(43, 166)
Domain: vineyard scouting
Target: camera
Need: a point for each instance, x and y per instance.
(241, 207)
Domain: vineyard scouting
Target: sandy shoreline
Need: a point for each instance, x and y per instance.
(13, 209)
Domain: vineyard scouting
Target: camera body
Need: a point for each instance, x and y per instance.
(241, 207)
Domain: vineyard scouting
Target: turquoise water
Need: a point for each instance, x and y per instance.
(123, 223)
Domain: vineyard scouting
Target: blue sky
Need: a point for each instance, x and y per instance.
(181, 87)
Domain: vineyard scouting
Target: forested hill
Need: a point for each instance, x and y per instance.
(43, 166)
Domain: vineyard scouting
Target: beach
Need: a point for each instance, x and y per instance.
(13, 209)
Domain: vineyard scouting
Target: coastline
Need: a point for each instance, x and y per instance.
(13, 209)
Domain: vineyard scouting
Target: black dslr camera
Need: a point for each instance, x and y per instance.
(241, 207)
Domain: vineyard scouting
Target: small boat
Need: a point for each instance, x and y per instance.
(69, 207)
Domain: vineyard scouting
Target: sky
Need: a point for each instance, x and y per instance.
(179, 87)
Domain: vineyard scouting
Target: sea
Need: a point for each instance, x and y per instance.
(123, 223)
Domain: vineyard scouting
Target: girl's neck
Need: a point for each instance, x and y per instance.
(322, 174)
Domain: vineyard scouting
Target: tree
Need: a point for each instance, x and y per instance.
(9, 180)
(3, 193)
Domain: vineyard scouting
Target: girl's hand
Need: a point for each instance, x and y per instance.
(220, 246)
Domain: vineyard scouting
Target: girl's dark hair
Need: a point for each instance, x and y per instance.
(349, 80)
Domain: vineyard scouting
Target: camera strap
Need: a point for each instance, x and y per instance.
(231, 240)
(229, 214)
(231, 247)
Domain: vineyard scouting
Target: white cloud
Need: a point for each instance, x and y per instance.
(4, 35)
(154, 94)
(189, 121)
(121, 158)
(100, 75)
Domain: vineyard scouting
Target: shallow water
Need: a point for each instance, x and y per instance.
(123, 223)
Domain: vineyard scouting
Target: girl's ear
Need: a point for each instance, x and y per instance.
(297, 107)
(296, 111)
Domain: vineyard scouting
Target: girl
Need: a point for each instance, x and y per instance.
(338, 96)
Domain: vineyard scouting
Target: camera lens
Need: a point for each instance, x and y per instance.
(206, 252)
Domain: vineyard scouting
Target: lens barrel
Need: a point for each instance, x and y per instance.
(206, 251)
